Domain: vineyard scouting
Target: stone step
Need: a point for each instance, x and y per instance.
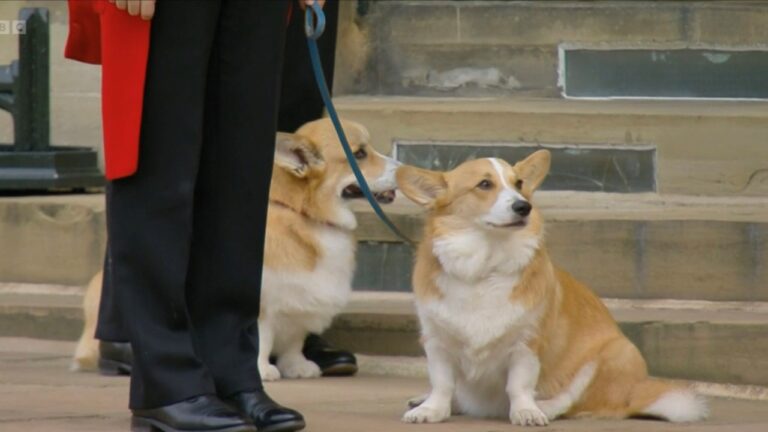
(460, 48)
(622, 245)
(707, 341)
(701, 147)
(720, 342)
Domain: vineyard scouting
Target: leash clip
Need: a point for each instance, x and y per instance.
(314, 21)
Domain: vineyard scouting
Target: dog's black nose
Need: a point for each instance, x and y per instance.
(523, 208)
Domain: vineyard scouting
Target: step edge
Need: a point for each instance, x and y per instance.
(416, 367)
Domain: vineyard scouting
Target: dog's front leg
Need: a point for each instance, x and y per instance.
(267, 370)
(437, 407)
(521, 386)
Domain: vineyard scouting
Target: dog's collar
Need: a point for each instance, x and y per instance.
(307, 216)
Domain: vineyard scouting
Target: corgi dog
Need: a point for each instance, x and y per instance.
(506, 333)
(309, 255)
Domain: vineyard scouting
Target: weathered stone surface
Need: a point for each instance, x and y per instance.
(39, 394)
(726, 23)
(623, 245)
(473, 70)
(696, 340)
(409, 38)
(550, 23)
(51, 239)
(703, 147)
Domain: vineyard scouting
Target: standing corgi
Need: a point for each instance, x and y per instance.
(506, 333)
(309, 256)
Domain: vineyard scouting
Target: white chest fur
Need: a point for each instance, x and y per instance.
(473, 255)
(323, 290)
(474, 319)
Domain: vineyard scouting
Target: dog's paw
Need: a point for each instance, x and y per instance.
(425, 414)
(269, 373)
(299, 368)
(529, 417)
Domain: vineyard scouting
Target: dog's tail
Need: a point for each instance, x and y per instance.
(86, 355)
(664, 400)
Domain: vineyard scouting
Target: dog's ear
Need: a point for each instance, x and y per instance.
(533, 169)
(297, 155)
(421, 186)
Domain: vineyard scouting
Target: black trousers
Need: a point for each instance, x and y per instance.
(300, 102)
(186, 232)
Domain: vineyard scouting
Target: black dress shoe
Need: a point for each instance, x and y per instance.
(115, 358)
(201, 413)
(332, 361)
(266, 414)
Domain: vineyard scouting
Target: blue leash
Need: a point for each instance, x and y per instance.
(314, 25)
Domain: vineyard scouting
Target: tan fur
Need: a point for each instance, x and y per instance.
(574, 327)
(87, 351)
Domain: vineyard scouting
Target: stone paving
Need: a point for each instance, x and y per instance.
(39, 393)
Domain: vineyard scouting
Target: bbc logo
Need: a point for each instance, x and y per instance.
(12, 27)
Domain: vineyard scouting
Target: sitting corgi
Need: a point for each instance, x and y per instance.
(506, 333)
(309, 256)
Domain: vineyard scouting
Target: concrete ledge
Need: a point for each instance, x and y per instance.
(622, 245)
(416, 367)
(721, 342)
(703, 147)
(697, 340)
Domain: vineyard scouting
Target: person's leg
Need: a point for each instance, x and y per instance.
(110, 324)
(150, 227)
(115, 353)
(300, 100)
(224, 280)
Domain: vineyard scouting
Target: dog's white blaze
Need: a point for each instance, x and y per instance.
(501, 212)
(387, 180)
(500, 171)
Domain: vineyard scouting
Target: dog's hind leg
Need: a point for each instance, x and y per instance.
(560, 404)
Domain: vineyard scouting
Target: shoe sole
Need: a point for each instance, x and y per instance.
(342, 369)
(290, 426)
(144, 424)
(114, 368)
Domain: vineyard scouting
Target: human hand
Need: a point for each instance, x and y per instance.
(305, 3)
(145, 8)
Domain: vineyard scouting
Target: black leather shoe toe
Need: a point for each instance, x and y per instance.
(332, 361)
(201, 413)
(266, 414)
(115, 358)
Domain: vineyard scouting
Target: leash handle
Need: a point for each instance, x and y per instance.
(314, 27)
(314, 21)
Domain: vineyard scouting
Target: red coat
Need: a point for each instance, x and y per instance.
(100, 33)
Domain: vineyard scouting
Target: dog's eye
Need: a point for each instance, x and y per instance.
(361, 154)
(519, 185)
(485, 185)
